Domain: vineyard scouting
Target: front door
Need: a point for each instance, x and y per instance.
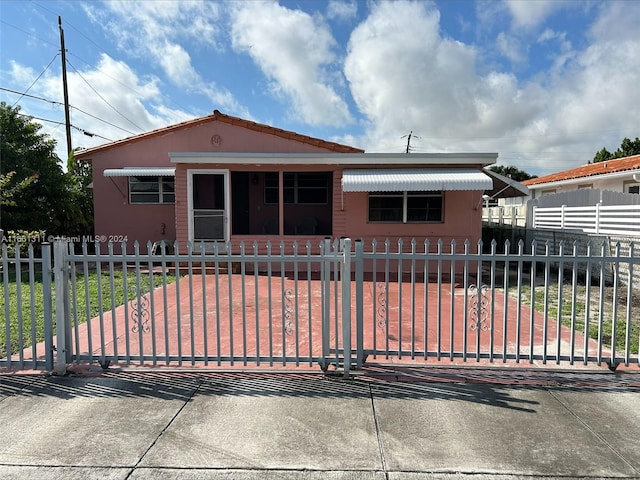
(209, 202)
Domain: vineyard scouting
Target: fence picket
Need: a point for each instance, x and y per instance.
(213, 315)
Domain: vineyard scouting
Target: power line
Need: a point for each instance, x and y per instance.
(102, 50)
(28, 33)
(75, 108)
(24, 94)
(60, 103)
(103, 72)
(34, 82)
(69, 24)
(81, 130)
(102, 98)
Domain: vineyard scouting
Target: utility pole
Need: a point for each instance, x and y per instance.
(64, 89)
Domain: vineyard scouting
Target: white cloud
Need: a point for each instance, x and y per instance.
(405, 76)
(295, 51)
(342, 10)
(510, 47)
(565, 50)
(157, 31)
(128, 102)
(22, 74)
(531, 13)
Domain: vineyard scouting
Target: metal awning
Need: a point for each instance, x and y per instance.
(140, 172)
(431, 179)
(505, 187)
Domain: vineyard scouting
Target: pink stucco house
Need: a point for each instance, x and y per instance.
(223, 178)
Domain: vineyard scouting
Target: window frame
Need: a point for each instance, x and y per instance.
(291, 193)
(406, 196)
(631, 184)
(161, 181)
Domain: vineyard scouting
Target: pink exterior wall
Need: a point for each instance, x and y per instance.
(114, 216)
(462, 220)
(462, 217)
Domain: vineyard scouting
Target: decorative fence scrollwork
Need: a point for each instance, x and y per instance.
(381, 305)
(288, 311)
(479, 307)
(139, 306)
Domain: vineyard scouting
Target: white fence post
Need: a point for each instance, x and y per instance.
(63, 331)
(326, 303)
(597, 226)
(345, 280)
(48, 315)
(562, 214)
(359, 277)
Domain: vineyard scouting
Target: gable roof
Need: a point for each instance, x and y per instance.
(217, 116)
(590, 170)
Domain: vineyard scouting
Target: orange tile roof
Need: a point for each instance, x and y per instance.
(590, 170)
(217, 116)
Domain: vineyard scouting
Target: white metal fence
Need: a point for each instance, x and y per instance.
(337, 304)
(623, 220)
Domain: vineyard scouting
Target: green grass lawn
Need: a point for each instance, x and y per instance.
(86, 303)
(574, 311)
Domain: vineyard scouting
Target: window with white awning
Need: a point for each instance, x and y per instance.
(147, 185)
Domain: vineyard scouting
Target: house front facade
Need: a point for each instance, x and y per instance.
(225, 179)
(620, 175)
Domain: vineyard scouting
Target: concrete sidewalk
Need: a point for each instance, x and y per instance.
(424, 423)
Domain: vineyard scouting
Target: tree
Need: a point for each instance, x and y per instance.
(80, 177)
(602, 155)
(512, 172)
(627, 148)
(8, 191)
(47, 201)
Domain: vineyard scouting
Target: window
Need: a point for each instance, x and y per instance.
(632, 188)
(152, 190)
(299, 188)
(405, 207)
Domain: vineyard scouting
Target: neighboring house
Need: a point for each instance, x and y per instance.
(619, 175)
(222, 178)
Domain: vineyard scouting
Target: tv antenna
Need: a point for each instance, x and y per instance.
(408, 137)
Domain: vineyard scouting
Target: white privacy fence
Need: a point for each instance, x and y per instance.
(515, 216)
(623, 220)
(339, 304)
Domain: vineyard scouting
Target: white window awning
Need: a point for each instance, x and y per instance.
(140, 172)
(431, 179)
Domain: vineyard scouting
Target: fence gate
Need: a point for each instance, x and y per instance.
(274, 307)
(337, 305)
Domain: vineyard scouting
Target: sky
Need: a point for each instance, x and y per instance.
(544, 83)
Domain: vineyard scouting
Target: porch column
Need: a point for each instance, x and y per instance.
(280, 203)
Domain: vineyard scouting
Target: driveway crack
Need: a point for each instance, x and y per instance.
(166, 427)
(383, 459)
